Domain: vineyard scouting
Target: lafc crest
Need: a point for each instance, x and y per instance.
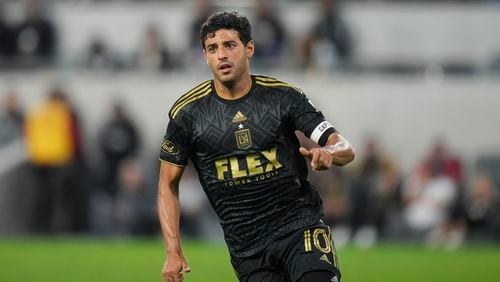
(243, 136)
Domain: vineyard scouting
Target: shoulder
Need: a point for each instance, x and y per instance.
(196, 93)
(276, 85)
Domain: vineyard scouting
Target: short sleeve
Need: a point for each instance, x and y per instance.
(175, 147)
(309, 120)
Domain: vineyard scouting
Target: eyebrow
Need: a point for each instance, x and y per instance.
(223, 43)
(212, 44)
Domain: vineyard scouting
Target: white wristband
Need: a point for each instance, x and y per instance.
(319, 130)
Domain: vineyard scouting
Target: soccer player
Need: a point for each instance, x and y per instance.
(238, 130)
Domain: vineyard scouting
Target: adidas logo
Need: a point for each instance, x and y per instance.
(239, 117)
(325, 258)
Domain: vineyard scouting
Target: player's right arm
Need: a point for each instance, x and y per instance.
(169, 215)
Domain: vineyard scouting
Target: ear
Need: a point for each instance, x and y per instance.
(250, 48)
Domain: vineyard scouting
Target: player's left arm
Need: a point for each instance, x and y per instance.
(337, 151)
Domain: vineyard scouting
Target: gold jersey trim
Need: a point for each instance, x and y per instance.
(188, 97)
(170, 163)
(272, 82)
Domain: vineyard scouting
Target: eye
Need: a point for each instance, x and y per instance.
(211, 49)
(231, 45)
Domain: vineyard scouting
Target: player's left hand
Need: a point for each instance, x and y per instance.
(320, 158)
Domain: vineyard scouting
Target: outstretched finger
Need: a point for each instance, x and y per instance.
(315, 159)
(321, 161)
(304, 152)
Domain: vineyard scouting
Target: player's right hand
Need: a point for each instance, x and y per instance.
(174, 268)
(320, 158)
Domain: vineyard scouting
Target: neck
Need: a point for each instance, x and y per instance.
(234, 89)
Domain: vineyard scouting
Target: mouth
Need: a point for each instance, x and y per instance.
(225, 67)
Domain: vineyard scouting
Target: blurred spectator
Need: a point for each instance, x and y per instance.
(333, 189)
(269, 36)
(134, 209)
(388, 204)
(429, 195)
(49, 132)
(51, 147)
(11, 119)
(194, 56)
(14, 218)
(328, 45)
(482, 207)
(489, 164)
(449, 162)
(78, 197)
(36, 37)
(153, 54)
(7, 43)
(375, 193)
(452, 232)
(204, 8)
(12, 147)
(118, 141)
(99, 57)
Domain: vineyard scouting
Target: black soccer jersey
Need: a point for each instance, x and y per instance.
(247, 157)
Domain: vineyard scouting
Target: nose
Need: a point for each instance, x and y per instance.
(221, 54)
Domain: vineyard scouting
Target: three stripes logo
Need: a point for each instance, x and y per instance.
(239, 117)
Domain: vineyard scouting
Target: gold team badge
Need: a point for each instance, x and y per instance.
(243, 136)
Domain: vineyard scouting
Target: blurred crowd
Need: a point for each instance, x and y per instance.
(55, 188)
(439, 202)
(45, 169)
(51, 185)
(32, 39)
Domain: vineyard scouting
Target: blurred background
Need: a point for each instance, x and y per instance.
(86, 87)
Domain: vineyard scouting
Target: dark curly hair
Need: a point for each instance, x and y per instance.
(226, 20)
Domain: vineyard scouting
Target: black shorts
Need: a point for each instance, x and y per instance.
(288, 258)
